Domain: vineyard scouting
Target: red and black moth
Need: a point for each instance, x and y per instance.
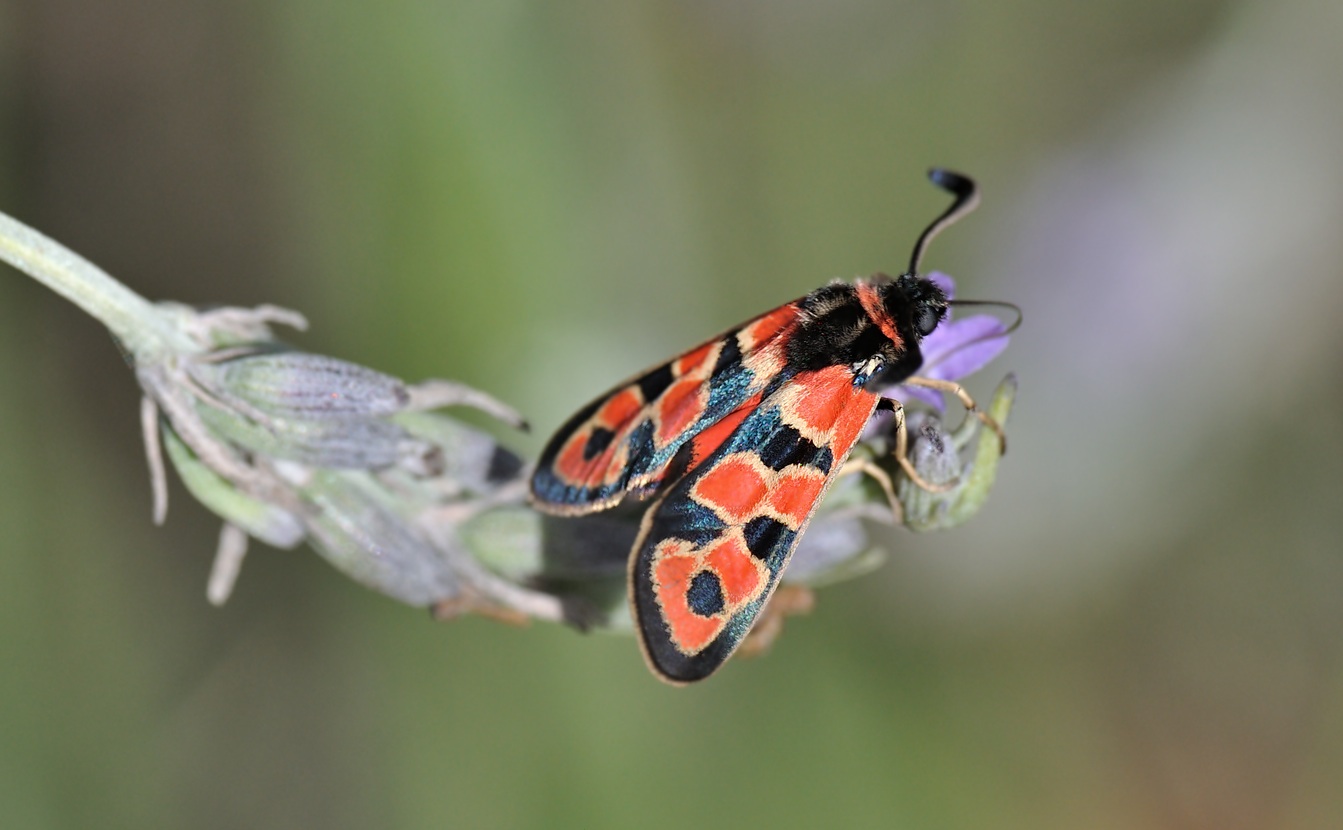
(736, 441)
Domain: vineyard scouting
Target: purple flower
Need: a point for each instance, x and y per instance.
(956, 348)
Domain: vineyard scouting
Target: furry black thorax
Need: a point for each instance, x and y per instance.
(836, 330)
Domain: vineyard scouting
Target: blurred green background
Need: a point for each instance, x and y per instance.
(1143, 629)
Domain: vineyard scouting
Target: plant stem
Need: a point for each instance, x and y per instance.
(140, 326)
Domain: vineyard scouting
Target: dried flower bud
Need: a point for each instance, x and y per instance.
(304, 387)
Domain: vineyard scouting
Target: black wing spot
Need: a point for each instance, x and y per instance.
(763, 536)
(656, 382)
(787, 446)
(597, 443)
(705, 596)
(782, 447)
(730, 355)
(824, 460)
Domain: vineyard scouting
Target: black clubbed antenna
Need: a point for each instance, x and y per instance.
(967, 199)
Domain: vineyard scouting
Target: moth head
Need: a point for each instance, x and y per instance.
(913, 307)
(917, 304)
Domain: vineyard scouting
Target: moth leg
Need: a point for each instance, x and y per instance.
(865, 466)
(966, 401)
(902, 448)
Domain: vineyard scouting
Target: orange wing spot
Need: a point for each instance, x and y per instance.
(570, 462)
(795, 493)
(680, 406)
(852, 420)
(621, 407)
(710, 438)
(690, 362)
(582, 472)
(766, 327)
(738, 572)
(734, 488)
(671, 582)
(827, 394)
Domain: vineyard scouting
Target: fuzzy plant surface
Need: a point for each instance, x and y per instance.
(289, 447)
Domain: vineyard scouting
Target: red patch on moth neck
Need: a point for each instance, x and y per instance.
(870, 298)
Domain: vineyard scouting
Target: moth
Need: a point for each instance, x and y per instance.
(735, 442)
